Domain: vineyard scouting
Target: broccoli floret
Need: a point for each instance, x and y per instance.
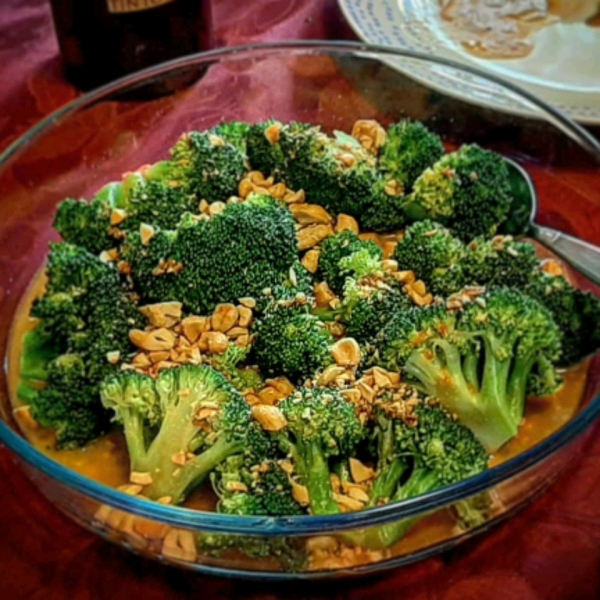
(435, 256)
(87, 316)
(467, 191)
(251, 484)
(290, 341)
(185, 409)
(39, 348)
(265, 153)
(577, 314)
(231, 365)
(321, 425)
(420, 449)
(477, 363)
(247, 248)
(342, 246)
(205, 165)
(286, 553)
(500, 261)
(409, 149)
(69, 403)
(234, 133)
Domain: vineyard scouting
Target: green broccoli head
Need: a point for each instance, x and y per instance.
(234, 133)
(500, 261)
(346, 255)
(409, 149)
(290, 341)
(435, 256)
(468, 191)
(576, 313)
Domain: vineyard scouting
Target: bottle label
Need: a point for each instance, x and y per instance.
(128, 6)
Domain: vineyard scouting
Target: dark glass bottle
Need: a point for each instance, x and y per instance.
(102, 40)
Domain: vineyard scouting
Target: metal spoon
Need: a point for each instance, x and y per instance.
(585, 257)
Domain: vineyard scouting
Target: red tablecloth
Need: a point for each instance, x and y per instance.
(551, 551)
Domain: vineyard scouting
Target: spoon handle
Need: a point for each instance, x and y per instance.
(585, 257)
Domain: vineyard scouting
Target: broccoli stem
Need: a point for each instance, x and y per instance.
(517, 386)
(313, 469)
(134, 432)
(387, 481)
(169, 479)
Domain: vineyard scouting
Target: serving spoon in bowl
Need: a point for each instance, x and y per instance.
(583, 256)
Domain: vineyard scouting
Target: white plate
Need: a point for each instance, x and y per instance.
(563, 70)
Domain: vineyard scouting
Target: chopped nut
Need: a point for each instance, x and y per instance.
(360, 472)
(203, 206)
(389, 248)
(179, 545)
(193, 327)
(330, 374)
(346, 222)
(300, 493)
(357, 493)
(141, 360)
(294, 197)
(248, 302)
(394, 188)
(366, 391)
(256, 177)
(347, 502)
(336, 328)
(352, 395)
(286, 466)
(159, 356)
(370, 134)
(117, 215)
(252, 399)
(159, 339)
(306, 214)
(277, 191)
(270, 418)
(140, 478)
(310, 236)
(407, 277)
(236, 486)
(24, 418)
(419, 287)
(163, 314)
(130, 489)
(216, 208)
(113, 357)
(272, 133)
(245, 315)
(270, 395)
(323, 294)
(245, 188)
(205, 413)
(418, 299)
(553, 267)
(346, 159)
(224, 317)
(381, 378)
(282, 384)
(214, 342)
(147, 232)
(165, 500)
(310, 260)
(346, 352)
(179, 458)
(109, 255)
(389, 265)
(243, 341)
(236, 332)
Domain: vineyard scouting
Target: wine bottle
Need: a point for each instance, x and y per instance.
(102, 40)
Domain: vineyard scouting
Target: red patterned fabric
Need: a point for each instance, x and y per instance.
(551, 551)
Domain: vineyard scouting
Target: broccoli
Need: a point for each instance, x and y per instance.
(186, 409)
(39, 348)
(478, 363)
(290, 341)
(577, 314)
(321, 425)
(500, 261)
(285, 553)
(85, 318)
(234, 133)
(247, 248)
(337, 173)
(420, 448)
(342, 246)
(467, 191)
(251, 484)
(409, 149)
(435, 256)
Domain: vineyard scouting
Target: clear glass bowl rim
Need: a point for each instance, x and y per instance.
(303, 525)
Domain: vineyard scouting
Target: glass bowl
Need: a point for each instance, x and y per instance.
(123, 125)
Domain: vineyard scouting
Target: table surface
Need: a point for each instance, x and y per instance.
(551, 551)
